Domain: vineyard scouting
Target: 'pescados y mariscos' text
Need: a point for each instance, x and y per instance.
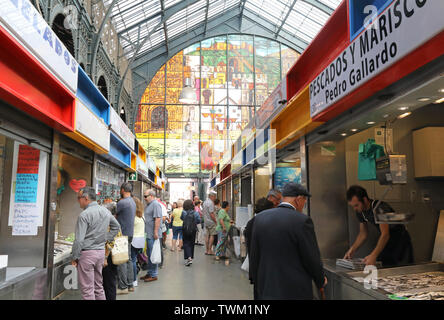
(378, 32)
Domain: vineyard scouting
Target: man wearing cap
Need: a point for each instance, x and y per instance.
(274, 196)
(210, 222)
(285, 256)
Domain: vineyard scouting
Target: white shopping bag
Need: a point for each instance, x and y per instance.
(156, 255)
(246, 265)
(236, 241)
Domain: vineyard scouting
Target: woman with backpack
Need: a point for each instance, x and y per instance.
(191, 219)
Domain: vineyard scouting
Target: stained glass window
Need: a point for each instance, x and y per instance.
(231, 75)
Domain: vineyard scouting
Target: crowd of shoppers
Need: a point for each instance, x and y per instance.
(283, 253)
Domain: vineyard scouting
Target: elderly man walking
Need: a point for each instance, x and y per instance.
(284, 254)
(209, 216)
(88, 250)
(153, 217)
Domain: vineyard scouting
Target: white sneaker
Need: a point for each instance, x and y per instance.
(190, 260)
(135, 284)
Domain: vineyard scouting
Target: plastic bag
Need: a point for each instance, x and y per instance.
(236, 241)
(156, 255)
(119, 253)
(246, 265)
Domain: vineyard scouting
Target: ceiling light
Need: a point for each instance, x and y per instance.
(403, 108)
(440, 100)
(425, 99)
(343, 134)
(371, 122)
(441, 90)
(354, 130)
(404, 115)
(386, 116)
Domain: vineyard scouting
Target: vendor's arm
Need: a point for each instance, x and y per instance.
(382, 242)
(360, 239)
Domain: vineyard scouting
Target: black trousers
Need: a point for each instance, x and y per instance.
(188, 246)
(109, 274)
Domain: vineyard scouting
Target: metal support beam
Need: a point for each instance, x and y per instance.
(206, 16)
(321, 6)
(242, 14)
(96, 39)
(162, 5)
(286, 17)
(167, 13)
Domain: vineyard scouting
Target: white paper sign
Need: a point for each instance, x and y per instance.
(91, 126)
(27, 199)
(23, 21)
(400, 29)
(242, 217)
(142, 167)
(119, 127)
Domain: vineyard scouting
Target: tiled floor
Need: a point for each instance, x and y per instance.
(206, 279)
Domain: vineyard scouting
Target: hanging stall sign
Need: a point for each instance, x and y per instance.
(271, 105)
(27, 199)
(119, 127)
(90, 130)
(400, 29)
(23, 21)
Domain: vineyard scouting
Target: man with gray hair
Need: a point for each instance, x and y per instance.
(153, 218)
(88, 250)
(274, 196)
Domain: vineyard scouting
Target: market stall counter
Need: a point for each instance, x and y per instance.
(424, 281)
(24, 283)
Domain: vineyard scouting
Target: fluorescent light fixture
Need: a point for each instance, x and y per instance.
(425, 99)
(441, 90)
(343, 134)
(371, 122)
(403, 108)
(404, 115)
(439, 101)
(354, 130)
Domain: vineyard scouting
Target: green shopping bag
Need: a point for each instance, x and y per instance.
(368, 153)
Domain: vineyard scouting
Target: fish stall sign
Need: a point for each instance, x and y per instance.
(402, 27)
(24, 22)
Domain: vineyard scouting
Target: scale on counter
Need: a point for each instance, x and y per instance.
(391, 170)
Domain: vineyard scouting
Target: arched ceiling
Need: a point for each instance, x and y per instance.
(152, 31)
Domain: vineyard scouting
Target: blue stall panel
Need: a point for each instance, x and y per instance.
(118, 150)
(91, 97)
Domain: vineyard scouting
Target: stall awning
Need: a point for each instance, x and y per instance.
(294, 121)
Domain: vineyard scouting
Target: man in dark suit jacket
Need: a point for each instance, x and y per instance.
(285, 256)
